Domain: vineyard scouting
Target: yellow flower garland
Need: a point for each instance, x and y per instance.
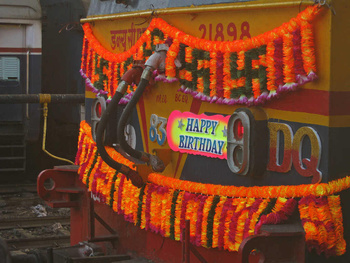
(291, 44)
(220, 216)
(287, 191)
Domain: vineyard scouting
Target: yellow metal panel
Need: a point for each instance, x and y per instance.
(200, 9)
(120, 35)
(90, 95)
(301, 117)
(339, 121)
(161, 100)
(340, 48)
(252, 19)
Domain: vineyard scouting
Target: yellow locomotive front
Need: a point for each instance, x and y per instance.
(221, 120)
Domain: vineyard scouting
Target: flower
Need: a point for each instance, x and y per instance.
(218, 70)
(220, 216)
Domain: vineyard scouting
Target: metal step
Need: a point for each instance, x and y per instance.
(12, 169)
(12, 162)
(12, 149)
(10, 126)
(11, 139)
(12, 146)
(12, 158)
(12, 134)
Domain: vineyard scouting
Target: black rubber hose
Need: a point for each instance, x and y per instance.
(156, 163)
(124, 118)
(110, 110)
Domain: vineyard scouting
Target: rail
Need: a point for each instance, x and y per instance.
(38, 242)
(42, 98)
(28, 222)
(22, 228)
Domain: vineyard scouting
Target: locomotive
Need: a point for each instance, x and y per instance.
(214, 131)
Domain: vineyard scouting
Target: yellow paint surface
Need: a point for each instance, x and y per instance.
(233, 24)
(332, 37)
(226, 26)
(90, 95)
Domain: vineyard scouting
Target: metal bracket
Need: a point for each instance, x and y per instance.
(275, 243)
(62, 192)
(187, 247)
(144, 170)
(164, 155)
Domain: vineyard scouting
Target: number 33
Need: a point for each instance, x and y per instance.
(154, 132)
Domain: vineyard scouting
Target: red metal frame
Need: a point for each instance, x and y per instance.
(96, 222)
(64, 191)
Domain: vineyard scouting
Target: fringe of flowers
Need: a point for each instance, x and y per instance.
(220, 216)
(322, 220)
(249, 72)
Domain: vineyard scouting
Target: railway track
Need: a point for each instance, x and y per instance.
(14, 188)
(38, 242)
(30, 238)
(27, 223)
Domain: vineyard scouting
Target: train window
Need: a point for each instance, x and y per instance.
(9, 68)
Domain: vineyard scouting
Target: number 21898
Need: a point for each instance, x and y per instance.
(219, 31)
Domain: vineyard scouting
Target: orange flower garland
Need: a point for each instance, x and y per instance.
(212, 74)
(227, 76)
(270, 49)
(322, 221)
(172, 53)
(288, 58)
(222, 88)
(287, 191)
(335, 208)
(220, 216)
(307, 47)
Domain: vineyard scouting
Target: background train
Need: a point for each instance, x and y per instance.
(40, 49)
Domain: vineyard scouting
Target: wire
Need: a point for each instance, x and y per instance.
(45, 111)
(150, 17)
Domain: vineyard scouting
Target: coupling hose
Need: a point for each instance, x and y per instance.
(110, 110)
(154, 161)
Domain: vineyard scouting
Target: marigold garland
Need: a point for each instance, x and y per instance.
(286, 60)
(286, 191)
(322, 220)
(220, 216)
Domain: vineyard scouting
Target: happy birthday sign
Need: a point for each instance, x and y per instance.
(198, 134)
